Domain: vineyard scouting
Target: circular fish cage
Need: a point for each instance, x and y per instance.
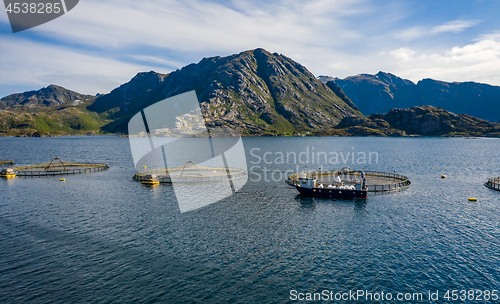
(6, 163)
(493, 183)
(190, 172)
(57, 167)
(375, 181)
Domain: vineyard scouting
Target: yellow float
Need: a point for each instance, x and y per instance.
(7, 173)
(151, 180)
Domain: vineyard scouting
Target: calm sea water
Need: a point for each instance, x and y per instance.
(104, 238)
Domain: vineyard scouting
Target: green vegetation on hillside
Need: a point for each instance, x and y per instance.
(51, 121)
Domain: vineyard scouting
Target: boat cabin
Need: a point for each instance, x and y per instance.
(7, 172)
(151, 177)
(307, 182)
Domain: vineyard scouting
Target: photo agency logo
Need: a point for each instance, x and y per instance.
(27, 14)
(268, 165)
(171, 143)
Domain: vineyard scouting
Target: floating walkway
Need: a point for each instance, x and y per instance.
(375, 181)
(190, 172)
(493, 183)
(58, 167)
(6, 163)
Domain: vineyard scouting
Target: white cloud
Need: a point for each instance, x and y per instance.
(486, 50)
(478, 61)
(416, 32)
(172, 64)
(411, 33)
(170, 34)
(404, 54)
(330, 37)
(494, 36)
(455, 26)
(200, 25)
(35, 65)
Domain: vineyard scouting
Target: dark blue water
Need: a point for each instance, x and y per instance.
(104, 238)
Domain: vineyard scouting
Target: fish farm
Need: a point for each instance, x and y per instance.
(57, 167)
(6, 163)
(493, 183)
(375, 181)
(190, 172)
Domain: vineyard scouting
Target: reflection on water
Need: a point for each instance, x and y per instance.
(103, 237)
(306, 202)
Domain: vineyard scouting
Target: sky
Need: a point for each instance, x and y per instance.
(101, 44)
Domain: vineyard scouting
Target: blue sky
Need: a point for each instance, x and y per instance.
(101, 44)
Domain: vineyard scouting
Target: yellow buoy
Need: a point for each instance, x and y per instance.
(472, 199)
(144, 167)
(62, 179)
(443, 176)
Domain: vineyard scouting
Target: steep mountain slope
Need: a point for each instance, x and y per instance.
(381, 92)
(340, 93)
(52, 95)
(375, 93)
(255, 92)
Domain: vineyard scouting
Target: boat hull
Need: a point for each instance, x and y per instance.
(333, 193)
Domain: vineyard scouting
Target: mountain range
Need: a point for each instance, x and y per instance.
(261, 93)
(382, 92)
(52, 95)
(52, 110)
(254, 92)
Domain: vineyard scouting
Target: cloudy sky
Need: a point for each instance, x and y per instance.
(101, 44)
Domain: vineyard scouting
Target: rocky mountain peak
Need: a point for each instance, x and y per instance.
(392, 79)
(254, 91)
(384, 91)
(52, 95)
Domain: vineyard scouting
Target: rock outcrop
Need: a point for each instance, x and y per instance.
(417, 121)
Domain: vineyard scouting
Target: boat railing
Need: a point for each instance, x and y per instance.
(493, 183)
(58, 168)
(393, 181)
(6, 163)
